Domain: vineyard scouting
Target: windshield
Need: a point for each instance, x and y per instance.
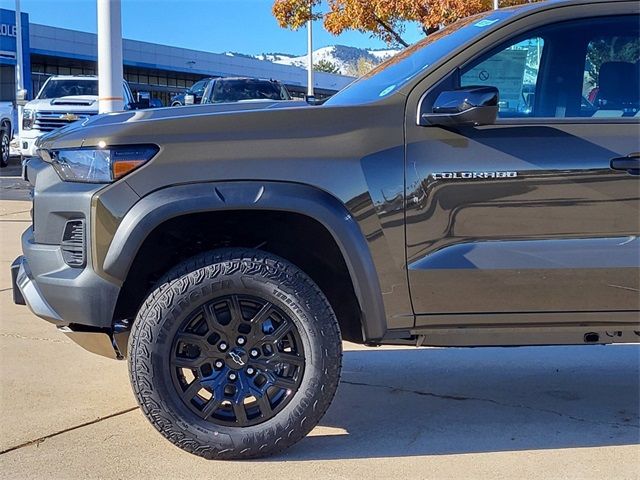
(198, 87)
(406, 65)
(247, 89)
(67, 88)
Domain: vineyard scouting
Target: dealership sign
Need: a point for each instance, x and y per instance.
(7, 30)
(8, 34)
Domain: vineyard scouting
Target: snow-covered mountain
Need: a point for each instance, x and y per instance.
(345, 58)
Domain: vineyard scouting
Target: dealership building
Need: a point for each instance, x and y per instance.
(160, 69)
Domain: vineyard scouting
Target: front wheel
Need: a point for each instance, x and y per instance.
(236, 354)
(4, 148)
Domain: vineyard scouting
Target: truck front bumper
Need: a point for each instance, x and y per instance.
(26, 292)
(77, 301)
(27, 142)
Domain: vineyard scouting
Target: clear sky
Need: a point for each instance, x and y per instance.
(245, 26)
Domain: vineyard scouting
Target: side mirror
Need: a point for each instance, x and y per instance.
(143, 100)
(312, 100)
(21, 97)
(189, 99)
(467, 106)
(137, 106)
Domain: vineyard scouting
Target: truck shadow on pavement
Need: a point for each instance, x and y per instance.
(417, 402)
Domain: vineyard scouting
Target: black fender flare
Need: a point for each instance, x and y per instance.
(165, 204)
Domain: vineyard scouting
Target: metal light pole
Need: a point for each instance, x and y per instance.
(495, 4)
(110, 71)
(19, 59)
(21, 94)
(310, 91)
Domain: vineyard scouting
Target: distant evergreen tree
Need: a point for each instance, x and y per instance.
(326, 66)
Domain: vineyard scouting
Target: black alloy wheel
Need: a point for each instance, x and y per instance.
(237, 361)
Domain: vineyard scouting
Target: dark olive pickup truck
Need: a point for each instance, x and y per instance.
(479, 188)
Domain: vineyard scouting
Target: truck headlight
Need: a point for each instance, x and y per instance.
(28, 116)
(99, 165)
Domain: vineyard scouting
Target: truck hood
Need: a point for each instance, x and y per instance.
(87, 103)
(110, 125)
(169, 113)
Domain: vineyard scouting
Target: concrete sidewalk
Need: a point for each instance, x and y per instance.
(554, 412)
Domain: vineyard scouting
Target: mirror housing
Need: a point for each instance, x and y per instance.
(470, 106)
(314, 100)
(143, 100)
(189, 99)
(138, 106)
(21, 97)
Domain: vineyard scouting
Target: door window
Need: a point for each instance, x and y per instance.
(514, 71)
(611, 86)
(582, 68)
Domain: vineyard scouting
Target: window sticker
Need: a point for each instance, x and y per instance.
(485, 23)
(506, 72)
(387, 91)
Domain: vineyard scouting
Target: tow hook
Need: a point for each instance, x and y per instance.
(591, 337)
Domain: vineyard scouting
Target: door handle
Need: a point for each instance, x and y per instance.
(630, 163)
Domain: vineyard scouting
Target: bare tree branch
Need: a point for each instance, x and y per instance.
(391, 31)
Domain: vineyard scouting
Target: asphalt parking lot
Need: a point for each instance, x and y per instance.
(12, 187)
(555, 412)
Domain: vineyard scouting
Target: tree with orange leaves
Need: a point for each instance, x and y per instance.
(383, 19)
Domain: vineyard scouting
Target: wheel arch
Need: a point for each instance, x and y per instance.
(173, 202)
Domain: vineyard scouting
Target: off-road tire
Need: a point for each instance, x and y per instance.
(209, 276)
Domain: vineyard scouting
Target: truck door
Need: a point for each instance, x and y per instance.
(540, 211)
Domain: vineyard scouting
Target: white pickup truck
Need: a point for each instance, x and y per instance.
(8, 126)
(62, 99)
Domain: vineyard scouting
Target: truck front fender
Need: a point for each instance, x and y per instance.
(165, 204)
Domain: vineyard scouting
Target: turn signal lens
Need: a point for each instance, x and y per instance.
(121, 168)
(125, 160)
